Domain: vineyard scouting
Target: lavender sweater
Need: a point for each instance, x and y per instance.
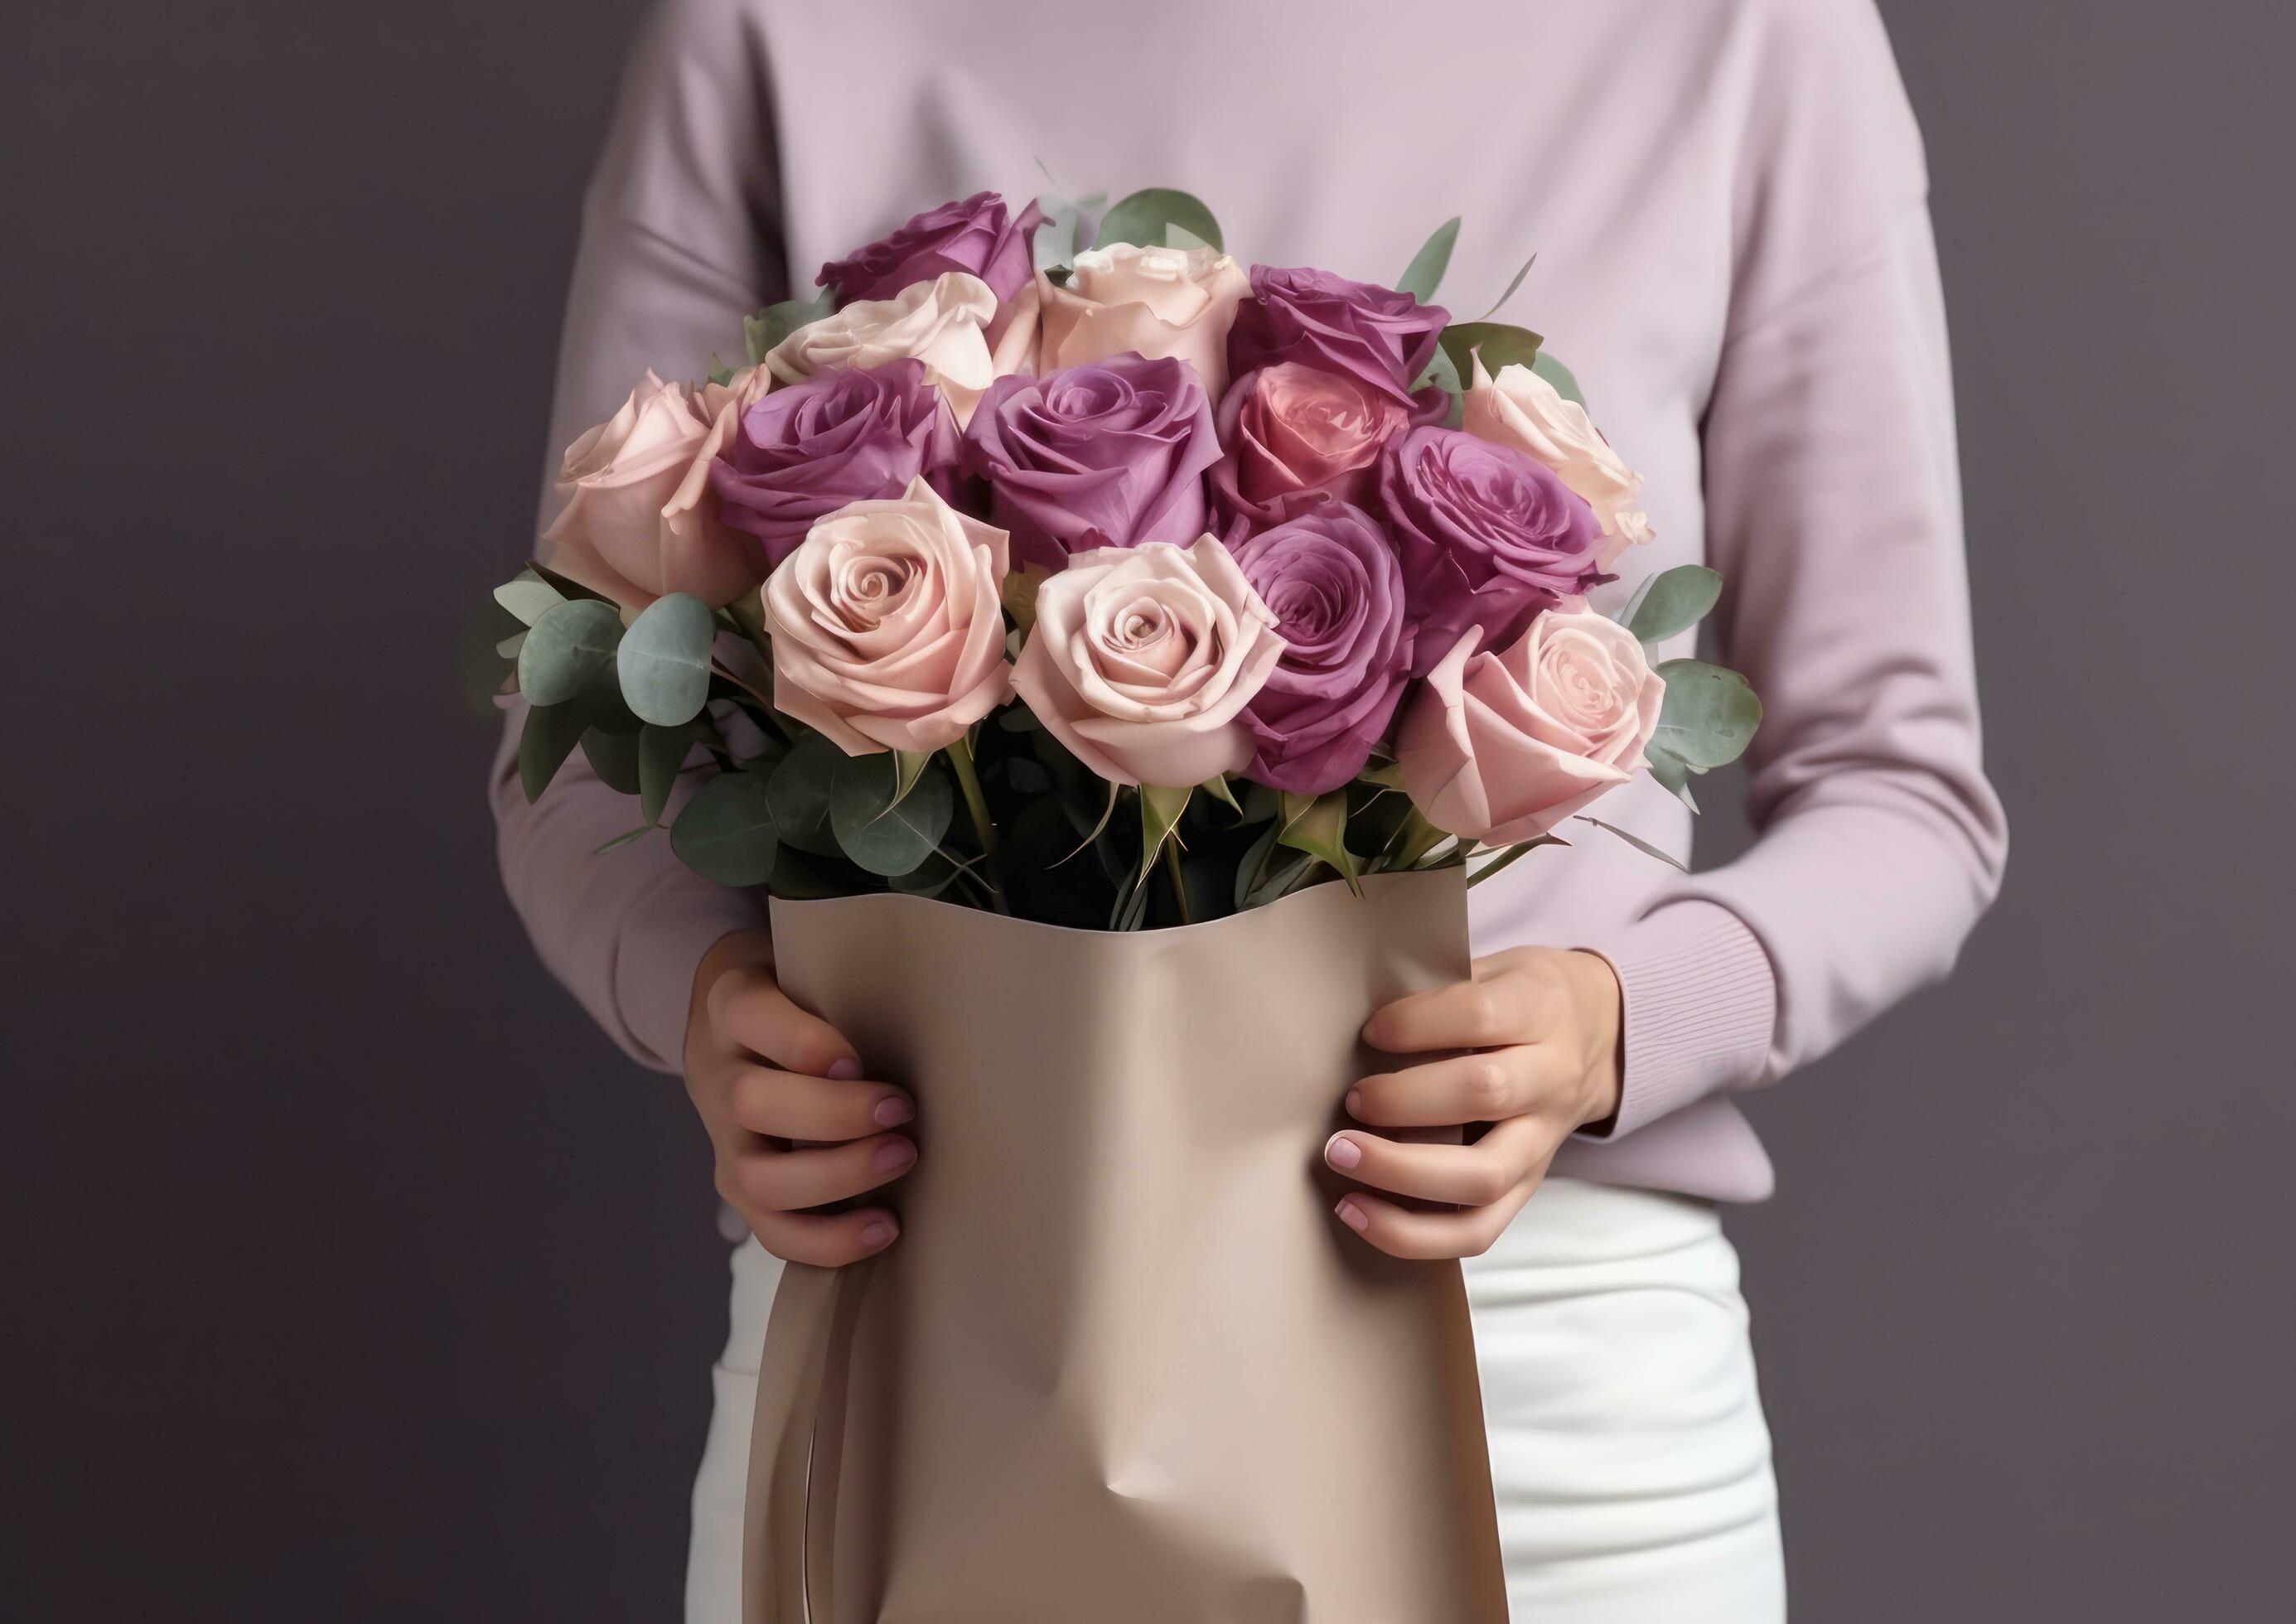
(1728, 198)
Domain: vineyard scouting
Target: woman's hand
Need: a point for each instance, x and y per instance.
(762, 1072)
(1545, 1025)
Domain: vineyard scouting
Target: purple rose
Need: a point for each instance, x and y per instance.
(1377, 336)
(1332, 578)
(1488, 538)
(854, 435)
(1107, 454)
(975, 237)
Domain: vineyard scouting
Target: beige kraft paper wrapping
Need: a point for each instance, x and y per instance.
(1123, 1365)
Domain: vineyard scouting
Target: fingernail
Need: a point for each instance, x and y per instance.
(1352, 1216)
(893, 1155)
(878, 1233)
(1355, 1103)
(1343, 1153)
(843, 1070)
(892, 1110)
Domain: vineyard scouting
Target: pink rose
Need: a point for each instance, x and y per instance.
(641, 521)
(887, 625)
(1500, 747)
(941, 323)
(1143, 659)
(1149, 301)
(1297, 437)
(1521, 409)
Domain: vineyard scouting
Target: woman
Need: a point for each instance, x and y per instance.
(1728, 201)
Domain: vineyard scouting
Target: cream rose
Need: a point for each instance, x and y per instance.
(640, 520)
(1501, 747)
(1521, 409)
(1142, 661)
(942, 323)
(1154, 301)
(888, 630)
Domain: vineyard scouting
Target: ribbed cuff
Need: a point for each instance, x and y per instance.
(660, 947)
(1700, 1007)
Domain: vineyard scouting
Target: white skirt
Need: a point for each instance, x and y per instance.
(1628, 1452)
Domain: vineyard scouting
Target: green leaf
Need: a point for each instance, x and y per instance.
(569, 653)
(719, 373)
(769, 326)
(727, 831)
(1160, 806)
(1511, 287)
(529, 598)
(565, 586)
(1425, 273)
(1547, 367)
(1318, 825)
(1512, 854)
(1637, 842)
(799, 788)
(1441, 372)
(548, 738)
(1672, 771)
(880, 830)
(614, 758)
(1253, 866)
(908, 766)
(1708, 716)
(1056, 243)
(661, 755)
(508, 648)
(624, 838)
(1499, 344)
(1216, 786)
(1145, 218)
(1675, 601)
(1387, 774)
(663, 661)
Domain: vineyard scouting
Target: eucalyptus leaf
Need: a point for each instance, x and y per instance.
(1499, 345)
(1319, 826)
(1675, 601)
(549, 736)
(529, 598)
(769, 326)
(623, 839)
(799, 788)
(1055, 242)
(508, 648)
(1565, 385)
(1708, 716)
(569, 653)
(1425, 273)
(1637, 842)
(663, 661)
(565, 586)
(1497, 304)
(614, 758)
(661, 756)
(1144, 218)
(726, 832)
(880, 830)
(1671, 771)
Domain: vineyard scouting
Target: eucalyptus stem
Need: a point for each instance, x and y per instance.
(1179, 881)
(968, 781)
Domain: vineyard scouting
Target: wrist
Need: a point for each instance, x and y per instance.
(1601, 1004)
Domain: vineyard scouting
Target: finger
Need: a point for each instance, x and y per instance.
(791, 1105)
(1401, 1233)
(1508, 1008)
(1486, 1088)
(825, 1240)
(1478, 1175)
(765, 1180)
(749, 1009)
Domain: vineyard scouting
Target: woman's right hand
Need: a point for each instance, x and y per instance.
(762, 1072)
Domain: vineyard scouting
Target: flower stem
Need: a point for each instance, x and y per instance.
(1179, 882)
(960, 757)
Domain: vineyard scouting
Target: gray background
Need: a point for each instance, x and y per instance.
(353, 1278)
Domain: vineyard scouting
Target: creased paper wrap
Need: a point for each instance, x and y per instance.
(1123, 1365)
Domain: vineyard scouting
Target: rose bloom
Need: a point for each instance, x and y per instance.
(803, 452)
(1521, 409)
(976, 235)
(640, 520)
(1108, 454)
(1382, 338)
(1296, 437)
(1501, 747)
(1486, 536)
(887, 625)
(1331, 578)
(1149, 301)
(1142, 661)
(941, 323)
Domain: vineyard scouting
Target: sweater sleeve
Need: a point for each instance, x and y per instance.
(679, 241)
(1833, 512)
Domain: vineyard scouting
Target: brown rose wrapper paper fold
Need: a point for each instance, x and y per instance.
(1123, 1365)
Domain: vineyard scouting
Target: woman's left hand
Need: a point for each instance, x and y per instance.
(1545, 1025)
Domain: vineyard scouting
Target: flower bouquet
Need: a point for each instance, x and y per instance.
(1111, 588)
